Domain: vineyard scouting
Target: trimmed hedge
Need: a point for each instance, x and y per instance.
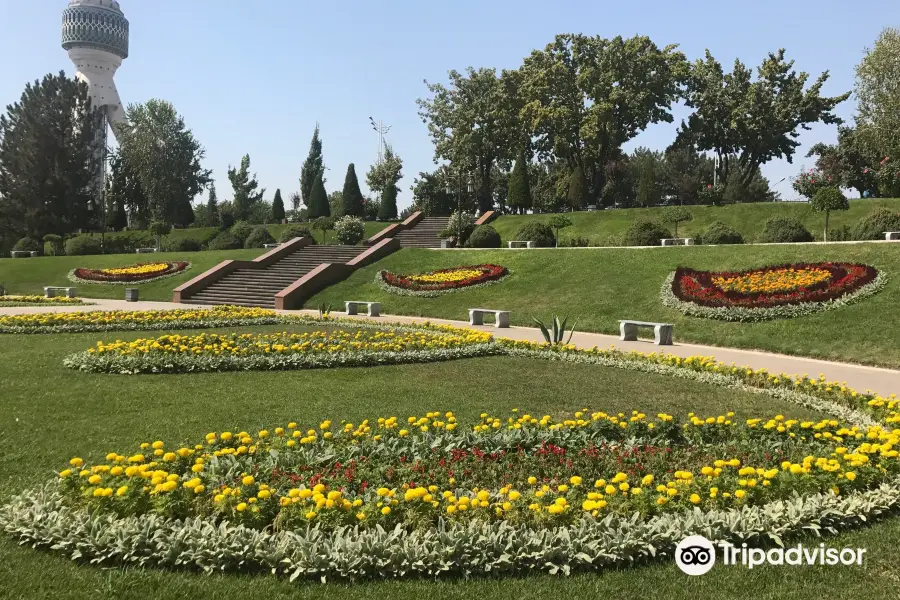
(27, 244)
(182, 245)
(484, 236)
(645, 232)
(259, 237)
(224, 241)
(720, 233)
(539, 233)
(873, 225)
(785, 230)
(83, 246)
(297, 231)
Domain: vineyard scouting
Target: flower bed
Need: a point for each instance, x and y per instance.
(138, 320)
(776, 292)
(435, 283)
(13, 300)
(281, 351)
(139, 273)
(431, 496)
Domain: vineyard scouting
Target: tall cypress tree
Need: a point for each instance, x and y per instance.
(47, 147)
(278, 207)
(388, 209)
(519, 194)
(578, 193)
(212, 206)
(354, 205)
(318, 200)
(313, 167)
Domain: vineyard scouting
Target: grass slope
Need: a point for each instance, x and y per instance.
(30, 275)
(600, 286)
(601, 227)
(52, 413)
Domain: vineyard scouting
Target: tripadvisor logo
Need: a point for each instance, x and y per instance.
(696, 555)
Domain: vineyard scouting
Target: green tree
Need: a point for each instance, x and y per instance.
(519, 196)
(826, 200)
(212, 207)
(674, 215)
(878, 94)
(558, 222)
(336, 203)
(577, 194)
(318, 200)
(323, 224)
(386, 173)
(429, 193)
(278, 207)
(244, 186)
(848, 162)
(313, 168)
(387, 209)
(353, 198)
(117, 192)
(687, 173)
(47, 150)
(584, 97)
(474, 123)
(166, 158)
(649, 174)
(748, 122)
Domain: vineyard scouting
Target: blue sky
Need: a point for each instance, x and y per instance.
(255, 77)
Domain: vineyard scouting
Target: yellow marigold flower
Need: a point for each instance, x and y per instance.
(241, 507)
(575, 480)
(248, 480)
(386, 510)
(76, 462)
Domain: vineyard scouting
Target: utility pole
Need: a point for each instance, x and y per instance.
(381, 129)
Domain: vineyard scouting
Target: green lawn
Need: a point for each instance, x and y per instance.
(52, 413)
(600, 286)
(30, 275)
(601, 227)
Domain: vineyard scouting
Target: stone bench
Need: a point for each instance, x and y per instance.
(373, 309)
(270, 246)
(23, 253)
(662, 331)
(50, 292)
(892, 236)
(520, 244)
(146, 250)
(677, 241)
(592, 207)
(501, 317)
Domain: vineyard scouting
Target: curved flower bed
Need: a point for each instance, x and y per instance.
(432, 496)
(13, 300)
(435, 283)
(775, 292)
(139, 273)
(137, 320)
(281, 351)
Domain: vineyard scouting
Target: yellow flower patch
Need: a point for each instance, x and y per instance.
(782, 280)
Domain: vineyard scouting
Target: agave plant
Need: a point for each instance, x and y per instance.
(324, 310)
(557, 331)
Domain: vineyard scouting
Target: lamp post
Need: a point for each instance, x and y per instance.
(470, 187)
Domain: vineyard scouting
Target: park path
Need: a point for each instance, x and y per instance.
(859, 377)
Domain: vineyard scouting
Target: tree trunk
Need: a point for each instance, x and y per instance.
(826, 225)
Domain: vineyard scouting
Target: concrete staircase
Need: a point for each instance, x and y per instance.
(257, 287)
(424, 234)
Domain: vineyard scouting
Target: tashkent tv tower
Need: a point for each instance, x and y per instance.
(95, 34)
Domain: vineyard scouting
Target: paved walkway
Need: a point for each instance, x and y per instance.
(859, 377)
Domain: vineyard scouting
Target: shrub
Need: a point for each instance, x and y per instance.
(127, 243)
(484, 236)
(324, 224)
(558, 222)
(349, 230)
(785, 230)
(719, 233)
(241, 230)
(576, 241)
(182, 245)
(224, 241)
(873, 225)
(27, 244)
(826, 200)
(673, 215)
(53, 245)
(259, 237)
(840, 234)
(459, 227)
(297, 231)
(539, 233)
(644, 232)
(83, 246)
